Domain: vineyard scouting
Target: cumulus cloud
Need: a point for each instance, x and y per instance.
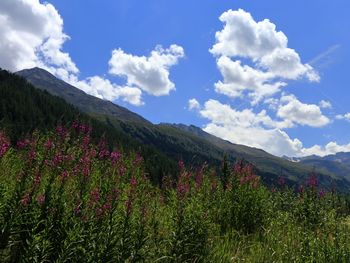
(193, 104)
(104, 89)
(325, 104)
(150, 74)
(346, 116)
(249, 128)
(300, 113)
(31, 35)
(267, 48)
(329, 148)
(260, 130)
(239, 78)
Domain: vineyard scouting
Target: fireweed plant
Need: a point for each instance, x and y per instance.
(64, 198)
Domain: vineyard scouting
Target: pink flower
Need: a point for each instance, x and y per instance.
(312, 181)
(4, 144)
(322, 193)
(64, 176)
(115, 156)
(133, 182)
(94, 196)
(103, 154)
(281, 181)
(128, 205)
(22, 144)
(25, 200)
(181, 165)
(138, 159)
(48, 145)
(40, 199)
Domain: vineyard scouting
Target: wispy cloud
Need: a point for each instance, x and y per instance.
(325, 58)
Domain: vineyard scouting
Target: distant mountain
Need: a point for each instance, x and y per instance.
(338, 163)
(178, 141)
(46, 81)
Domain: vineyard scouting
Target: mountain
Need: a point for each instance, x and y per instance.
(24, 109)
(338, 163)
(178, 141)
(86, 103)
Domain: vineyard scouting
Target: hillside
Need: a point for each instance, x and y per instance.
(25, 109)
(179, 141)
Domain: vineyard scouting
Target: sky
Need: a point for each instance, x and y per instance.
(268, 74)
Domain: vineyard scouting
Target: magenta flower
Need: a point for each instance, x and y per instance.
(4, 144)
(312, 181)
(64, 176)
(322, 193)
(94, 196)
(22, 144)
(48, 145)
(40, 199)
(281, 181)
(181, 165)
(115, 156)
(25, 200)
(133, 182)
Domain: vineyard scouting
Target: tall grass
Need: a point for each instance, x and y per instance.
(64, 198)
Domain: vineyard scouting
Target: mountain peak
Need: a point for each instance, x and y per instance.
(44, 80)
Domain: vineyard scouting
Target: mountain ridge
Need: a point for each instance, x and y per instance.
(177, 141)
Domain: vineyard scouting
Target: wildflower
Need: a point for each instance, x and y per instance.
(301, 189)
(312, 181)
(37, 180)
(322, 193)
(128, 205)
(133, 182)
(182, 189)
(22, 144)
(199, 177)
(61, 131)
(4, 144)
(40, 199)
(86, 141)
(99, 212)
(25, 200)
(64, 176)
(48, 145)
(138, 159)
(103, 154)
(32, 155)
(281, 181)
(181, 165)
(115, 156)
(94, 196)
(75, 126)
(77, 209)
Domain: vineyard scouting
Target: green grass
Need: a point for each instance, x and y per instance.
(65, 199)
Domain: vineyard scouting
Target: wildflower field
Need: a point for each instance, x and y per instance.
(65, 198)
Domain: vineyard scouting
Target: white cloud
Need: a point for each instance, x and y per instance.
(260, 130)
(300, 113)
(31, 34)
(150, 74)
(329, 148)
(238, 78)
(346, 116)
(193, 104)
(243, 37)
(249, 128)
(104, 89)
(325, 104)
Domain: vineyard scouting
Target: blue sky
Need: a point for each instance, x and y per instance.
(303, 51)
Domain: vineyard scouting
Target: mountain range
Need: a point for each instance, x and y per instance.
(190, 143)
